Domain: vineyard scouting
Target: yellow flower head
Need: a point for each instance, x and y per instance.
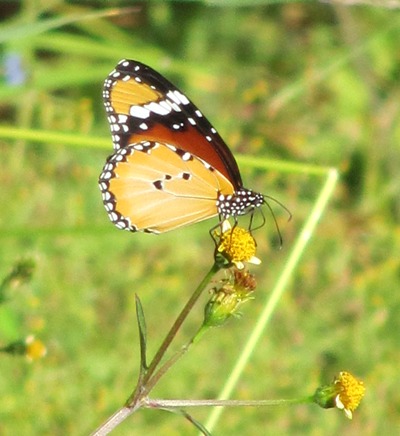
(30, 347)
(345, 393)
(237, 245)
(35, 349)
(350, 393)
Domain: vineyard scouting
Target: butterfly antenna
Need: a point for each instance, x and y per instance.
(252, 217)
(274, 216)
(279, 204)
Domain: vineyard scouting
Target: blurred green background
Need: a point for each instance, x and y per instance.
(313, 83)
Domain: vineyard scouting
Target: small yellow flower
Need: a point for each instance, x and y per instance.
(35, 349)
(30, 347)
(237, 245)
(351, 392)
(345, 393)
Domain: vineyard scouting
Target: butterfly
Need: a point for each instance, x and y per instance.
(170, 167)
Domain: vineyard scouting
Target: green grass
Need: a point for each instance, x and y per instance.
(294, 88)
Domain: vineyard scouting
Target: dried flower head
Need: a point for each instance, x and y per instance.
(225, 301)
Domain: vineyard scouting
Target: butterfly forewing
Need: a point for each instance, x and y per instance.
(142, 104)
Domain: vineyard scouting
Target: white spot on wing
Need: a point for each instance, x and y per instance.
(157, 108)
(172, 96)
(165, 104)
(174, 106)
(182, 98)
(139, 112)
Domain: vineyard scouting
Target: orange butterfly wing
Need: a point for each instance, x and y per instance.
(155, 187)
(142, 104)
(170, 167)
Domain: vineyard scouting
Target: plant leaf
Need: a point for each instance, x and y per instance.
(14, 30)
(142, 334)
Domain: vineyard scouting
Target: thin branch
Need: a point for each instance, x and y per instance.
(157, 403)
(170, 336)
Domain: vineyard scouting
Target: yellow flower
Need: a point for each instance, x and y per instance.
(237, 245)
(345, 393)
(30, 347)
(351, 392)
(34, 348)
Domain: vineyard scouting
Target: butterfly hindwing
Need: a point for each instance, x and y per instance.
(154, 187)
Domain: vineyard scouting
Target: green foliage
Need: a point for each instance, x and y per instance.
(285, 84)
(142, 334)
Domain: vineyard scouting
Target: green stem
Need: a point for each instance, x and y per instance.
(173, 359)
(166, 366)
(115, 420)
(169, 404)
(155, 403)
(51, 136)
(150, 380)
(277, 292)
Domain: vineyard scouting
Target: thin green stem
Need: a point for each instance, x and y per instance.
(21, 30)
(283, 166)
(161, 403)
(51, 136)
(156, 403)
(115, 419)
(276, 294)
(149, 380)
(166, 366)
(173, 359)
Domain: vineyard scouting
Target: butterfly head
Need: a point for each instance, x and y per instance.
(247, 202)
(240, 203)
